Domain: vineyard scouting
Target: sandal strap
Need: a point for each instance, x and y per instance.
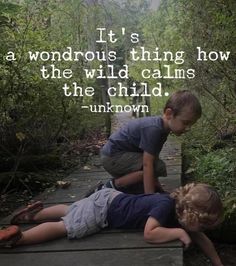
(29, 211)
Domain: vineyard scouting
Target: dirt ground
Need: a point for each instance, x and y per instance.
(194, 257)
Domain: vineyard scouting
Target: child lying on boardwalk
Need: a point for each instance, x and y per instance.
(182, 215)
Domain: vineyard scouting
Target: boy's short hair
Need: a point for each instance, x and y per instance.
(198, 203)
(183, 98)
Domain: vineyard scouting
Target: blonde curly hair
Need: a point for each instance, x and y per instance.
(198, 203)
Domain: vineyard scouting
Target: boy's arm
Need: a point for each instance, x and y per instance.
(155, 233)
(148, 173)
(207, 247)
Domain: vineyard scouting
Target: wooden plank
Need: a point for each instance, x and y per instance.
(81, 183)
(171, 167)
(78, 190)
(130, 257)
(170, 183)
(169, 160)
(166, 154)
(99, 241)
(90, 177)
(80, 186)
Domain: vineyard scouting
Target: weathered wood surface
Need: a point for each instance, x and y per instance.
(109, 247)
(129, 257)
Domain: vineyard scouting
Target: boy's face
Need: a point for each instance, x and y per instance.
(182, 122)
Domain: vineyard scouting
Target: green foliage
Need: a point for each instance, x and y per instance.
(34, 113)
(30, 104)
(217, 168)
(185, 25)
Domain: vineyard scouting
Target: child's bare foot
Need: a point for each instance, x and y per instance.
(27, 214)
(9, 236)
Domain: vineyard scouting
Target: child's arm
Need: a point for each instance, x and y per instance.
(148, 173)
(155, 233)
(207, 247)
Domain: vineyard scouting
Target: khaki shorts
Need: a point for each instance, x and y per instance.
(123, 163)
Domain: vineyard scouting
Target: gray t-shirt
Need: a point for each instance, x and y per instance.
(138, 135)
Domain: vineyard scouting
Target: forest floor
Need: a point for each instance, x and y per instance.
(194, 257)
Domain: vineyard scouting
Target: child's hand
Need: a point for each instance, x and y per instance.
(185, 238)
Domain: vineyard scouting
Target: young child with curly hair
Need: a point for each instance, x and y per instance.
(182, 215)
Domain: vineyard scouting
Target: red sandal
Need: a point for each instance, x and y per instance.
(26, 215)
(9, 236)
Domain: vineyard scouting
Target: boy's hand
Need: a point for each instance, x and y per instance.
(160, 190)
(185, 238)
(159, 187)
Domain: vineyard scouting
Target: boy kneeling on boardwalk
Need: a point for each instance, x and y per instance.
(181, 215)
(131, 154)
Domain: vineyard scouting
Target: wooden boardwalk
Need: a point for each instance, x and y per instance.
(109, 247)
